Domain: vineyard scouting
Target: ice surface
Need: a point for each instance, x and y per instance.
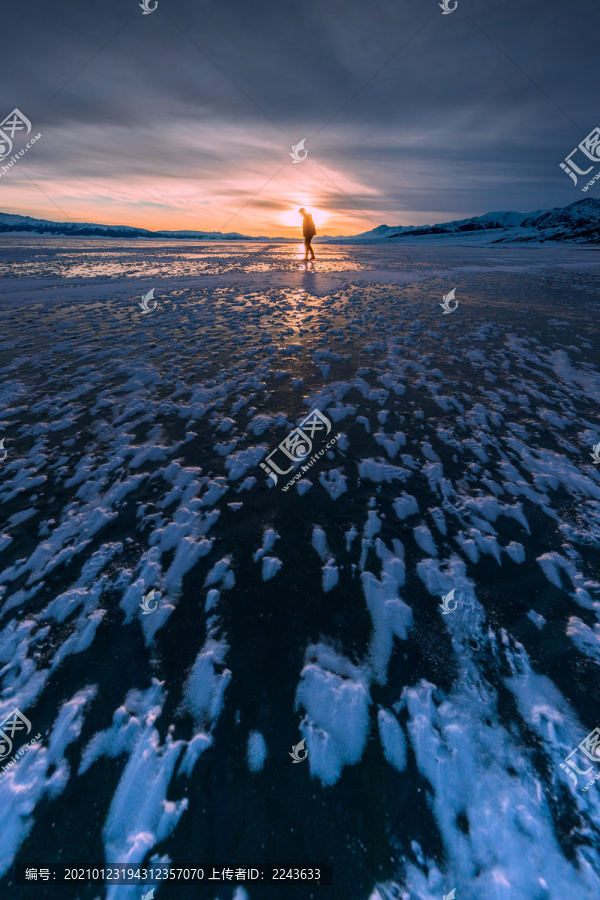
(434, 741)
(42, 773)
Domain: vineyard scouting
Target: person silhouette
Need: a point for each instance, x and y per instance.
(309, 231)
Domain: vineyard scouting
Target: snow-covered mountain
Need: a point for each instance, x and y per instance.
(578, 222)
(12, 223)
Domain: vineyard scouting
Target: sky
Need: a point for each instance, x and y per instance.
(185, 118)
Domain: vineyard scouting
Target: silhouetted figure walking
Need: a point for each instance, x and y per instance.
(309, 231)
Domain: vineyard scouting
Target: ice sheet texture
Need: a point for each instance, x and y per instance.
(134, 445)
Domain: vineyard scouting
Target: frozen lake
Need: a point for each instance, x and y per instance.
(462, 462)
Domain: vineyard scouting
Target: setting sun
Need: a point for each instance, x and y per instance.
(293, 218)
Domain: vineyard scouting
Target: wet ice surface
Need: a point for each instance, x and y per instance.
(28, 257)
(133, 448)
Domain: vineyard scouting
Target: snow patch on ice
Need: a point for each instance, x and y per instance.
(257, 751)
(335, 696)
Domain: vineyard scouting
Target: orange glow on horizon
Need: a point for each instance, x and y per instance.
(184, 206)
(179, 204)
(246, 199)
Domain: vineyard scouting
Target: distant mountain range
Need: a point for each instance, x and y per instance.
(579, 222)
(12, 224)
